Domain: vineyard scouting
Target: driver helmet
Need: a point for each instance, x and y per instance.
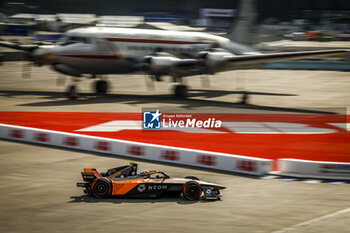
(145, 173)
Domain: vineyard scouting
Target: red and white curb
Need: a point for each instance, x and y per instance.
(147, 151)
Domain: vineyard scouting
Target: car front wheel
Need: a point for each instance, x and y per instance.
(192, 191)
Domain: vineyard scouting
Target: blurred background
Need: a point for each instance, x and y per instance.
(320, 20)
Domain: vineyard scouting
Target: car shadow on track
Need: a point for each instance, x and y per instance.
(164, 198)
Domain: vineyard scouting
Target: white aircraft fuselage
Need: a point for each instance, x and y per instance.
(98, 50)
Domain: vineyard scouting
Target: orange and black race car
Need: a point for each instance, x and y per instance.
(126, 182)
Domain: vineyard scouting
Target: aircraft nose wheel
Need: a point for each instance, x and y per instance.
(101, 87)
(181, 91)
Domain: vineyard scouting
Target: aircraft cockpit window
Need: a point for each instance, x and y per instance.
(73, 40)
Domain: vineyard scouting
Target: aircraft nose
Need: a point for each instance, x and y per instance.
(43, 55)
(48, 55)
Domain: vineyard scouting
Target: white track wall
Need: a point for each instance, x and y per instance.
(168, 154)
(315, 168)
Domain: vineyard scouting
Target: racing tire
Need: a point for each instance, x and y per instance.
(192, 177)
(192, 191)
(101, 188)
(181, 91)
(101, 87)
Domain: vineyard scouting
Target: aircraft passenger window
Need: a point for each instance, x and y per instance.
(86, 40)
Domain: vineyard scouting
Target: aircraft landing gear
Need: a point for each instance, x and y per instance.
(72, 92)
(101, 87)
(180, 91)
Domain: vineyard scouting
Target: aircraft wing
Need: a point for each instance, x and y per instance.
(232, 62)
(259, 60)
(26, 48)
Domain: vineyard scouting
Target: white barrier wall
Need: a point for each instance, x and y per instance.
(314, 168)
(176, 155)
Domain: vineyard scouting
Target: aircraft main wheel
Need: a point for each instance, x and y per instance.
(181, 91)
(192, 190)
(72, 92)
(101, 87)
(101, 188)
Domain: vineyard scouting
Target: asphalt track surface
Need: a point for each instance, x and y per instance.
(38, 183)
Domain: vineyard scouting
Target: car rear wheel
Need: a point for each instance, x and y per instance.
(192, 191)
(101, 188)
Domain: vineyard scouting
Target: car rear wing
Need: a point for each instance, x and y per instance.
(90, 174)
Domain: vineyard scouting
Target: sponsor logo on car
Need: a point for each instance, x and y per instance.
(157, 187)
(151, 187)
(141, 188)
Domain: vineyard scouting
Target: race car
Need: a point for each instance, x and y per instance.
(125, 182)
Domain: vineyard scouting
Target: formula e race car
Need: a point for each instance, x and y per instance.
(126, 182)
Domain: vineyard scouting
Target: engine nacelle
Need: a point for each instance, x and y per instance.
(219, 57)
(160, 63)
(216, 55)
(64, 69)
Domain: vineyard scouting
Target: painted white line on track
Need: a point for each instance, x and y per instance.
(309, 181)
(268, 177)
(312, 221)
(337, 182)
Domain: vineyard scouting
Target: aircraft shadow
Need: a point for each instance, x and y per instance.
(164, 198)
(191, 103)
(217, 93)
